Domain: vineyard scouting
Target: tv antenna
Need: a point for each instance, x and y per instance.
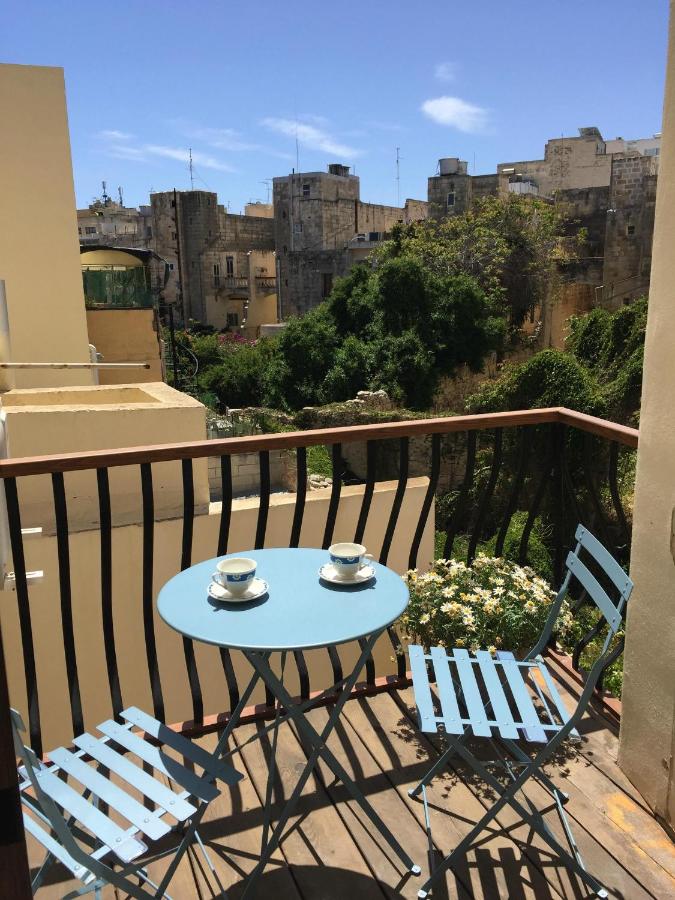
(192, 177)
(398, 176)
(267, 182)
(119, 192)
(104, 195)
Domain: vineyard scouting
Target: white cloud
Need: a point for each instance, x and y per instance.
(456, 113)
(446, 71)
(181, 155)
(124, 151)
(113, 135)
(310, 136)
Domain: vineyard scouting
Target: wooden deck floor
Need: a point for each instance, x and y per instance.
(330, 854)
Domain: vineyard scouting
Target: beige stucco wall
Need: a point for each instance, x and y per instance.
(51, 420)
(647, 748)
(128, 612)
(38, 219)
(126, 335)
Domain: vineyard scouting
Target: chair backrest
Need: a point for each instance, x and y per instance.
(612, 611)
(43, 803)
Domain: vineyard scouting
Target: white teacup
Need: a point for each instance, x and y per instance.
(235, 574)
(348, 558)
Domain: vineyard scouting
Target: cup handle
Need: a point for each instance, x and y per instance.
(366, 556)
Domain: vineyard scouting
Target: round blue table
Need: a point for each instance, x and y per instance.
(299, 612)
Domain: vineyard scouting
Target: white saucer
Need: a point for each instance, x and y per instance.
(329, 573)
(257, 589)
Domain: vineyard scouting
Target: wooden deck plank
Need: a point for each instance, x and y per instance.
(395, 880)
(321, 854)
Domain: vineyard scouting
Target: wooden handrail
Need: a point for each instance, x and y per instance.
(97, 459)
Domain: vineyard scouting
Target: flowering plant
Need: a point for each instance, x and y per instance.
(489, 605)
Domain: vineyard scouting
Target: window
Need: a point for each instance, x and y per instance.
(171, 266)
(283, 213)
(79, 231)
(90, 229)
(216, 275)
(630, 230)
(174, 236)
(326, 283)
(652, 151)
(451, 199)
(173, 204)
(306, 188)
(148, 231)
(229, 265)
(233, 319)
(297, 227)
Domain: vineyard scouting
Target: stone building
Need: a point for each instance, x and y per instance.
(108, 223)
(321, 228)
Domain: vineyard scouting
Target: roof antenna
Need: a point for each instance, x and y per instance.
(104, 195)
(192, 178)
(119, 191)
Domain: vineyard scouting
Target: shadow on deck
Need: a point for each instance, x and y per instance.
(330, 852)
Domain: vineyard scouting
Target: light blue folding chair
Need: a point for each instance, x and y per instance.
(479, 695)
(62, 801)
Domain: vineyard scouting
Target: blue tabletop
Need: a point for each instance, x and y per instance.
(299, 611)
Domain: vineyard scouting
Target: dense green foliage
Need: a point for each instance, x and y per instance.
(599, 372)
(436, 296)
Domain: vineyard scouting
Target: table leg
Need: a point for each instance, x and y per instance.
(318, 743)
(236, 714)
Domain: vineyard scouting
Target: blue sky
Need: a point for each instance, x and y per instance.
(484, 80)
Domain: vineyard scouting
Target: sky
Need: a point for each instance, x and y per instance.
(253, 88)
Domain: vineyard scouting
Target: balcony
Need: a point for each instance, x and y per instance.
(265, 282)
(231, 283)
(85, 642)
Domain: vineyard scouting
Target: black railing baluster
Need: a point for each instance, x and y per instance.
(591, 487)
(516, 487)
(398, 650)
(486, 496)
(537, 499)
(303, 674)
(230, 676)
(185, 563)
(371, 460)
(300, 495)
(336, 663)
(23, 603)
(263, 508)
(226, 505)
(331, 516)
(148, 569)
(105, 534)
(370, 665)
(63, 554)
(403, 464)
(428, 499)
(612, 478)
(467, 483)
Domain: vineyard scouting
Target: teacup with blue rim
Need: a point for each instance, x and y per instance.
(235, 574)
(347, 558)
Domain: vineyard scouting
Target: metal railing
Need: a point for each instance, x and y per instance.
(550, 462)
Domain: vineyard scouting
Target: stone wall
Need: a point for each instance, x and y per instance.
(630, 226)
(246, 474)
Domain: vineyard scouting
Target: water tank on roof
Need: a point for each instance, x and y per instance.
(451, 165)
(338, 169)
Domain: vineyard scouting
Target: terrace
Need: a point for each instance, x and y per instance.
(98, 592)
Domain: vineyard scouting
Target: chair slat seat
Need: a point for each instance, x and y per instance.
(194, 784)
(187, 748)
(500, 705)
(116, 797)
(52, 846)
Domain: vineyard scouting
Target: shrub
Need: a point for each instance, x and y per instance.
(491, 604)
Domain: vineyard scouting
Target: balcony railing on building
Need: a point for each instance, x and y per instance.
(115, 286)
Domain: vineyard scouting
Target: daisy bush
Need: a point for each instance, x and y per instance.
(492, 604)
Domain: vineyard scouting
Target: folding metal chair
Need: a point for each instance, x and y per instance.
(480, 694)
(62, 802)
